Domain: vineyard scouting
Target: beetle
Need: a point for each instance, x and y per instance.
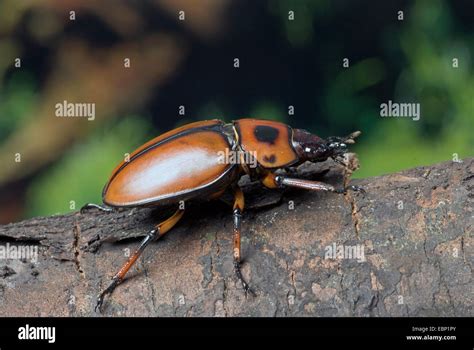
(186, 163)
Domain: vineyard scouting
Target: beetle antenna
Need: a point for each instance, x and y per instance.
(350, 139)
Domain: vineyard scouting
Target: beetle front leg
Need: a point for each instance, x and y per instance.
(237, 215)
(275, 181)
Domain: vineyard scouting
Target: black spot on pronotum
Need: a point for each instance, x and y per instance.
(264, 133)
(271, 159)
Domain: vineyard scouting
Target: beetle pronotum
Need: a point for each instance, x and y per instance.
(184, 164)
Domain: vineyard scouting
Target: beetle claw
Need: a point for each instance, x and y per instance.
(100, 298)
(250, 291)
(245, 285)
(354, 188)
(357, 189)
(100, 301)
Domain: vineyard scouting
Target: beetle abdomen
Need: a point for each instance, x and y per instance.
(179, 166)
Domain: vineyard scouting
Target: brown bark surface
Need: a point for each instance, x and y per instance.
(415, 228)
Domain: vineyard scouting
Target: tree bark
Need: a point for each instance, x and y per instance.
(414, 229)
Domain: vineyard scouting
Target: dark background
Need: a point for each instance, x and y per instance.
(66, 161)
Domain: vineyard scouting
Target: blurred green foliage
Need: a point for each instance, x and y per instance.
(428, 43)
(446, 95)
(17, 101)
(417, 61)
(83, 171)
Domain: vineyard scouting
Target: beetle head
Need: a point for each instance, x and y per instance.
(315, 149)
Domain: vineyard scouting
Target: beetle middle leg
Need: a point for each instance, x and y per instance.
(155, 234)
(238, 208)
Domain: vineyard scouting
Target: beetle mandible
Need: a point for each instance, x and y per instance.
(185, 163)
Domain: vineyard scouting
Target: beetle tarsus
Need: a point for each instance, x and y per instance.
(357, 189)
(95, 206)
(100, 298)
(245, 285)
(354, 188)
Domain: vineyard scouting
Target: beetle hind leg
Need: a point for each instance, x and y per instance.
(237, 214)
(155, 234)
